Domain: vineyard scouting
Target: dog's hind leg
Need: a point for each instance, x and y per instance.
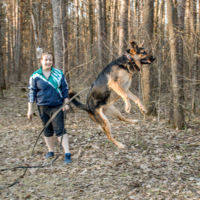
(112, 111)
(92, 116)
(103, 121)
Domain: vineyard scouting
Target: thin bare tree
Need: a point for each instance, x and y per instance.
(77, 31)
(194, 51)
(112, 25)
(181, 17)
(91, 27)
(99, 32)
(148, 72)
(123, 27)
(2, 38)
(178, 115)
(64, 29)
(58, 44)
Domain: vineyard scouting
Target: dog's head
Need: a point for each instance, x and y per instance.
(139, 54)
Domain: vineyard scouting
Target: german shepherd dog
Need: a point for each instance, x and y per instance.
(111, 84)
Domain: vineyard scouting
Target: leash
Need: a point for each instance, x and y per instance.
(53, 116)
(25, 167)
(42, 166)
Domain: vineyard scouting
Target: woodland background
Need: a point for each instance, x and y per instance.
(161, 160)
(86, 35)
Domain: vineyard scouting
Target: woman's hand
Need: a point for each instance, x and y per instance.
(30, 115)
(66, 107)
(30, 111)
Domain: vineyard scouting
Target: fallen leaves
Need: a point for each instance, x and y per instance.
(157, 163)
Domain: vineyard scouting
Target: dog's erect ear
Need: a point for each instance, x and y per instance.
(128, 50)
(142, 44)
(133, 45)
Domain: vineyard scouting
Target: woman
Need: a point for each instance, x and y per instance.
(49, 88)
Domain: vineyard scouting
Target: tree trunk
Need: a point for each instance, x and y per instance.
(2, 77)
(156, 17)
(41, 27)
(1, 74)
(30, 60)
(77, 33)
(178, 115)
(8, 65)
(99, 31)
(8, 74)
(104, 22)
(112, 25)
(91, 28)
(104, 34)
(148, 72)
(84, 45)
(36, 65)
(13, 33)
(160, 27)
(123, 27)
(181, 17)
(64, 26)
(17, 41)
(20, 43)
(57, 34)
(139, 17)
(187, 38)
(193, 42)
(198, 47)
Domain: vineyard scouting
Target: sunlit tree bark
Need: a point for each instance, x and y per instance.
(178, 115)
(91, 27)
(77, 31)
(112, 25)
(99, 31)
(58, 46)
(64, 29)
(104, 21)
(148, 76)
(123, 27)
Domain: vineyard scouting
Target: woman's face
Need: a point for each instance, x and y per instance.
(47, 62)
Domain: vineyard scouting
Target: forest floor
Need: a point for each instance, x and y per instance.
(158, 161)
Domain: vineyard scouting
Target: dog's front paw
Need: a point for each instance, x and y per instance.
(120, 145)
(143, 110)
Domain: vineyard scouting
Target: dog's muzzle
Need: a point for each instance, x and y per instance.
(148, 61)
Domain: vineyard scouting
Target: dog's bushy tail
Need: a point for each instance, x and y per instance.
(77, 103)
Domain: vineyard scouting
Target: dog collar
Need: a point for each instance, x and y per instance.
(132, 62)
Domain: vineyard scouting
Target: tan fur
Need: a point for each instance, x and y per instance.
(116, 85)
(106, 127)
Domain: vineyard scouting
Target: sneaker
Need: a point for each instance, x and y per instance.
(49, 154)
(67, 158)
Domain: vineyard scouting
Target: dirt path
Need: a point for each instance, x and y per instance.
(157, 163)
